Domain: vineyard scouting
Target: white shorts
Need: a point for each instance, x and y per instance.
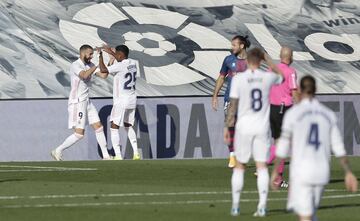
(257, 146)
(304, 199)
(80, 112)
(121, 115)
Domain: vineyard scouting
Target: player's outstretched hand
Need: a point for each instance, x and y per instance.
(107, 49)
(226, 135)
(214, 103)
(351, 182)
(98, 50)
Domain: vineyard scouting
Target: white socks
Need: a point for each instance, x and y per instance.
(71, 140)
(237, 183)
(100, 137)
(132, 137)
(115, 140)
(263, 180)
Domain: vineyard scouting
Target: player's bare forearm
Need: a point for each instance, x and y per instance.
(102, 75)
(87, 73)
(345, 164)
(219, 83)
(108, 50)
(102, 66)
(111, 62)
(272, 65)
(231, 112)
(351, 182)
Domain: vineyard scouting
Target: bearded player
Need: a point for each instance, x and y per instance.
(80, 107)
(232, 64)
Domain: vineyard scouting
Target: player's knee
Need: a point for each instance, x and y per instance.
(305, 218)
(127, 125)
(240, 166)
(261, 165)
(79, 131)
(97, 125)
(99, 129)
(114, 126)
(79, 136)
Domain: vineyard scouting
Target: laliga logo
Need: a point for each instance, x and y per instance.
(171, 51)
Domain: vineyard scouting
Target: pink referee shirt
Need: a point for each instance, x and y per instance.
(282, 93)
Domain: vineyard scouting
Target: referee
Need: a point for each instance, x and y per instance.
(282, 98)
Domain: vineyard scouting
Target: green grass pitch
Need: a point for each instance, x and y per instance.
(148, 190)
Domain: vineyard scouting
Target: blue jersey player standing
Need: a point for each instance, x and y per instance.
(232, 64)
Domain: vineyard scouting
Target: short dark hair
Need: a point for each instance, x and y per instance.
(308, 85)
(85, 47)
(255, 56)
(123, 48)
(243, 40)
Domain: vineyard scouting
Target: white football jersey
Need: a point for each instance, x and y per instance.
(252, 88)
(79, 87)
(124, 82)
(311, 130)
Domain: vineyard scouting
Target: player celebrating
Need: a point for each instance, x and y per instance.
(80, 107)
(232, 64)
(281, 99)
(311, 130)
(249, 101)
(124, 96)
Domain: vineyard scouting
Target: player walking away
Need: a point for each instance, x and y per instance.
(232, 64)
(249, 98)
(282, 98)
(80, 107)
(124, 96)
(311, 130)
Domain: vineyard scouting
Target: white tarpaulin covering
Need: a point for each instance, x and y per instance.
(180, 45)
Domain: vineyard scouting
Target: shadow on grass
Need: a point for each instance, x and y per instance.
(340, 206)
(12, 180)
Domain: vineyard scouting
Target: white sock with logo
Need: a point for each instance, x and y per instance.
(132, 138)
(263, 180)
(115, 140)
(237, 183)
(100, 137)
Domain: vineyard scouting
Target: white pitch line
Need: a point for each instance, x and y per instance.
(186, 202)
(114, 195)
(41, 169)
(44, 170)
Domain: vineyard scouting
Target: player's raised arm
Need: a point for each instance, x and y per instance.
(85, 74)
(272, 65)
(103, 69)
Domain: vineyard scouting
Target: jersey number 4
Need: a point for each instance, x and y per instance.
(256, 99)
(314, 136)
(130, 78)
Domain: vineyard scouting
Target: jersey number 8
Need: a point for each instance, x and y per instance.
(256, 99)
